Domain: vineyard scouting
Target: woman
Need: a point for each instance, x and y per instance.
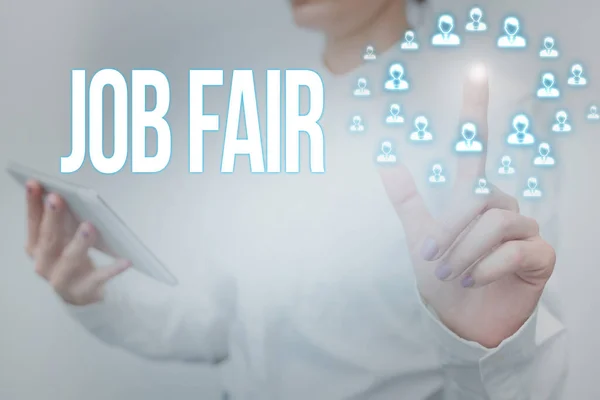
(338, 305)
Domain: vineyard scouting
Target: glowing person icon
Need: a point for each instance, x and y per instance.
(436, 176)
(361, 90)
(520, 136)
(386, 155)
(445, 37)
(421, 134)
(476, 25)
(593, 115)
(395, 117)
(548, 50)
(357, 125)
(397, 81)
(505, 166)
(370, 54)
(532, 188)
(409, 41)
(482, 187)
(511, 39)
(561, 124)
(548, 90)
(577, 79)
(544, 158)
(469, 144)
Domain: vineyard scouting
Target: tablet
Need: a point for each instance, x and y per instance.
(87, 205)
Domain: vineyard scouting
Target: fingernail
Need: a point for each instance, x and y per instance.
(29, 189)
(478, 72)
(429, 249)
(467, 281)
(50, 203)
(443, 271)
(85, 233)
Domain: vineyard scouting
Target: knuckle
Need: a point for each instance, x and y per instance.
(48, 252)
(509, 219)
(517, 255)
(458, 261)
(77, 300)
(52, 245)
(66, 266)
(551, 258)
(48, 238)
(40, 269)
(536, 227)
(547, 263)
(57, 283)
(499, 218)
(33, 220)
(514, 204)
(29, 250)
(69, 257)
(58, 280)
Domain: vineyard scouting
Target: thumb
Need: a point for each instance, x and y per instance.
(94, 284)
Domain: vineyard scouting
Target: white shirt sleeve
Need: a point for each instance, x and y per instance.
(530, 365)
(157, 322)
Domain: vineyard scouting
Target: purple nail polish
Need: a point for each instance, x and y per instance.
(85, 233)
(467, 281)
(50, 204)
(429, 249)
(443, 271)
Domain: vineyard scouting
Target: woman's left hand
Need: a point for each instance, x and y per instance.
(484, 266)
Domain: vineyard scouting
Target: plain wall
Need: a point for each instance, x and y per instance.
(43, 353)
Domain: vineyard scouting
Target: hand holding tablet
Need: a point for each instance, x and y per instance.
(64, 222)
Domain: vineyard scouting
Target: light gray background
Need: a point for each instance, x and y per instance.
(43, 353)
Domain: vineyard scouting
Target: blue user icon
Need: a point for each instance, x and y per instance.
(482, 187)
(548, 91)
(512, 39)
(469, 144)
(549, 51)
(520, 136)
(437, 176)
(394, 117)
(505, 166)
(396, 81)
(577, 78)
(593, 114)
(544, 159)
(409, 42)
(386, 156)
(357, 124)
(562, 123)
(421, 134)
(445, 37)
(532, 188)
(362, 90)
(369, 54)
(476, 24)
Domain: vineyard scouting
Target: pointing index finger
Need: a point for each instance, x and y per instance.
(472, 146)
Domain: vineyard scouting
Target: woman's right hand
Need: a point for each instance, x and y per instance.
(59, 245)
